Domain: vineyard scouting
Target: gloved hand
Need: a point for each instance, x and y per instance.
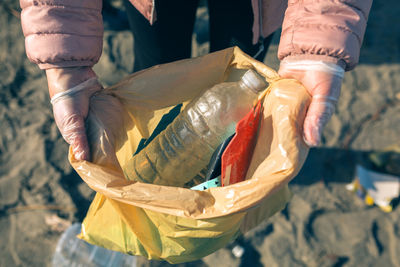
(323, 81)
(70, 90)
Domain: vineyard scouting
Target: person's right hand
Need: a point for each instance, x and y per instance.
(70, 90)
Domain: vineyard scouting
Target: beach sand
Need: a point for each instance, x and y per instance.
(323, 225)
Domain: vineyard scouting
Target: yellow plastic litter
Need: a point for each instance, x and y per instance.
(179, 224)
(369, 200)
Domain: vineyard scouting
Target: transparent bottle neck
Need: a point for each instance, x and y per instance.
(246, 86)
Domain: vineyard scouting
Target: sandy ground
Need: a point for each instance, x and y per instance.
(324, 225)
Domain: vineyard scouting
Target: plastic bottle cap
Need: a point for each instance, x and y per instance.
(254, 81)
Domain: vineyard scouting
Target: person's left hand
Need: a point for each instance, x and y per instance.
(323, 82)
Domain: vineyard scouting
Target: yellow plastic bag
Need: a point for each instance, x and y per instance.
(179, 224)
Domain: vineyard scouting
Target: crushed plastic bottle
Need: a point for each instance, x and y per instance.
(73, 252)
(185, 147)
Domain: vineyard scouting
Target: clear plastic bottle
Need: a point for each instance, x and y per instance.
(185, 147)
(73, 252)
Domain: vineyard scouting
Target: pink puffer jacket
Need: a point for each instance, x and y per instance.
(67, 33)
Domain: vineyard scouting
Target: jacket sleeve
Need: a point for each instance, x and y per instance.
(62, 33)
(329, 30)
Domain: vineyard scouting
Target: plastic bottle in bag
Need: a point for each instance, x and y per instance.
(72, 251)
(185, 147)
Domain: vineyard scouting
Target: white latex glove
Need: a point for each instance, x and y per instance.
(323, 81)
(70, 90)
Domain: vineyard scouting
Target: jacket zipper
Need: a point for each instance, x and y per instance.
(260, 27)
(153, 9)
